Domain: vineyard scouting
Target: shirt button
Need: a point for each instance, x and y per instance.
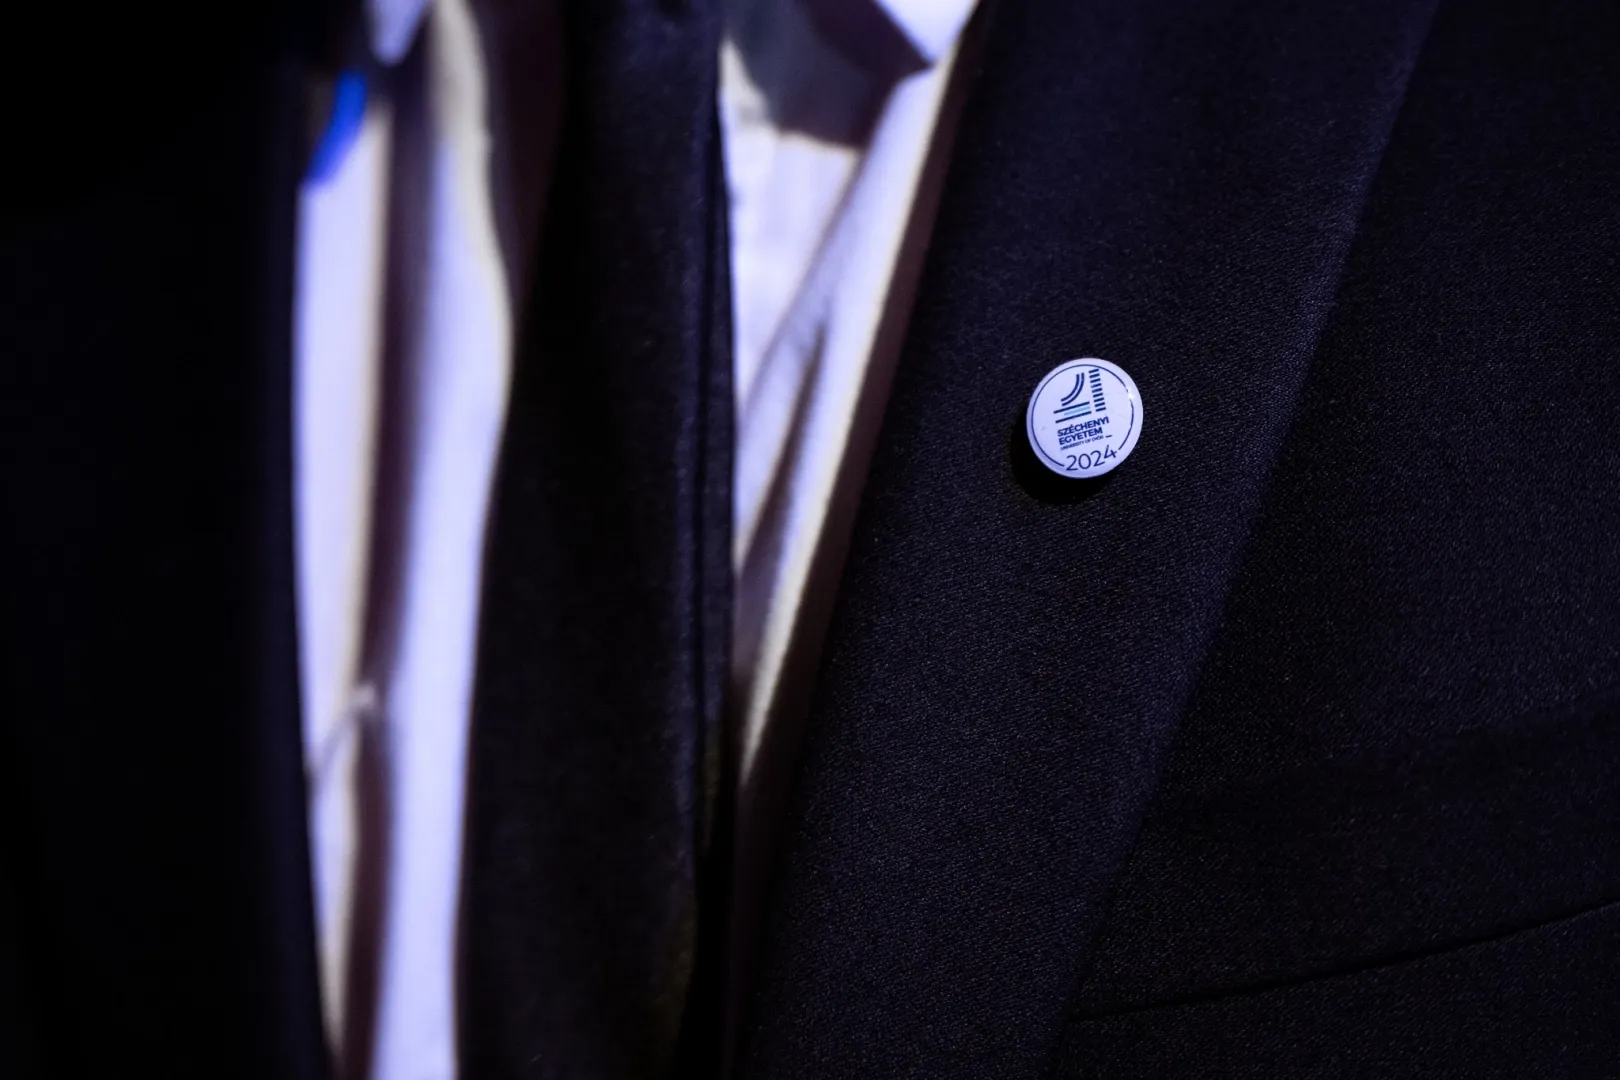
(1084, 418)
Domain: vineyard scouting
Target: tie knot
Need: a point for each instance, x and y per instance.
(866, 32)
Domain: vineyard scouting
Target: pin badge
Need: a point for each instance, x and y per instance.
(1084, 418)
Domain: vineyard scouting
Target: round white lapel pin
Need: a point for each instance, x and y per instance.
(1084, 418)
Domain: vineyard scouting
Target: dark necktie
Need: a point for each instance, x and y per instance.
(595, 744)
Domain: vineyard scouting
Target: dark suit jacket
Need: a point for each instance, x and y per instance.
(1290, 749)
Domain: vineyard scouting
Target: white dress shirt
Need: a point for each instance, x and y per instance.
(388, 601)
(827, 237)
(826, 234)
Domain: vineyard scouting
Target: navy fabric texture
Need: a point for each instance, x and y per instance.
(1289, 749)
(155, 908)
(1541, 1003)
(1292, 747)
(595, 742)
(1428, 754)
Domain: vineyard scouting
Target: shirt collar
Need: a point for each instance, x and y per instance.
(393, 26)
(932, 26)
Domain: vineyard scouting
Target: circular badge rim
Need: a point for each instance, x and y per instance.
(1132, 392)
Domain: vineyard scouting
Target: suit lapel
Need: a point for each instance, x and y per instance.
(1171, 186)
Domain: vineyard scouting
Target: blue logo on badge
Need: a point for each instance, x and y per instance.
(1072, 406)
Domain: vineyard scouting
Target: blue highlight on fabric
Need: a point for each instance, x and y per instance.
(348, 110)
